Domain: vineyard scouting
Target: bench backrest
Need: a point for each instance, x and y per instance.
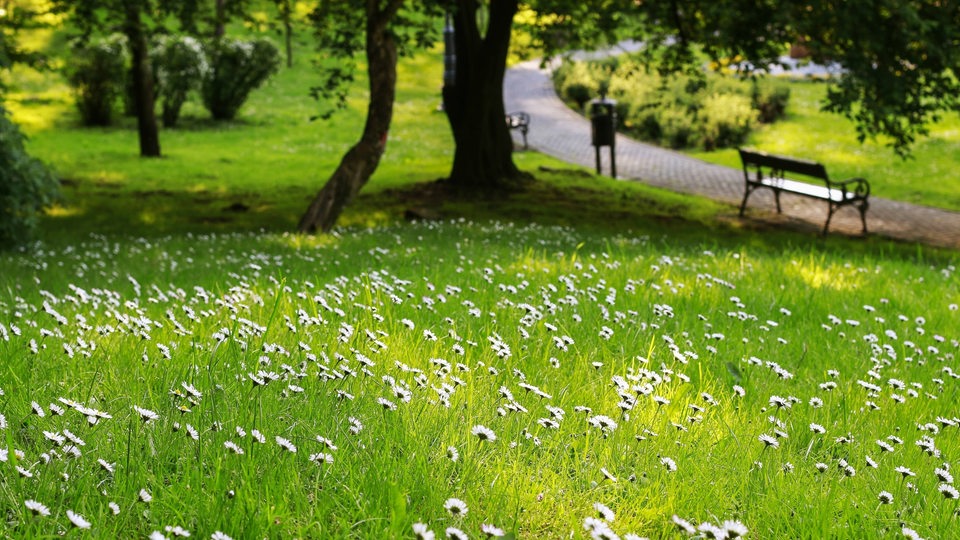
(778, 165)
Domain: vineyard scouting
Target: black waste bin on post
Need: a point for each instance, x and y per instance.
(603, 129)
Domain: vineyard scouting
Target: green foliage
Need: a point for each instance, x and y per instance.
(676, 126)
(97, 72)
(26, 186)
(770, 100)
(899, 57)
(339, 27)
(726, 120)
(678, 111)
(237, 67)
(180, 65)
(575, 82)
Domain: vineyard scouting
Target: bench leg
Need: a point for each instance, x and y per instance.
(776, 196)
(743, 204)
(826, 226)
(863, 216)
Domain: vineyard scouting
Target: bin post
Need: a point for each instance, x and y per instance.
(603, 130)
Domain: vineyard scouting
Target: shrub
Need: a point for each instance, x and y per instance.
(236, 69)
(678, 127)
(575, 82)
(579, 93)
(771, 101)
(727, 120)
(678, 110)
(26, 186)
(97, 73)
(180, 65)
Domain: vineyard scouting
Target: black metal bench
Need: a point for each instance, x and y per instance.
(762, 170)
(521, 121)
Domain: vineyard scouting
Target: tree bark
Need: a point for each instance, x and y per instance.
(142, 77)
(219, 19)
(360, 162)
(286, 12)
(483, 159)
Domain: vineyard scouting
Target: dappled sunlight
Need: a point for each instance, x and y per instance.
(302, 241)
(148, 217)
(61, 211)
(373, 218)
(818, 276)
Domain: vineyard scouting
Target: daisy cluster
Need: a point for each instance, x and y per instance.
(459, 380)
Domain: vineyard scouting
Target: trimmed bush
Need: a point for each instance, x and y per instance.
(678, 128)
(576, 83)
(26, 186)
(679, 111)
(180, 65)
(726, 119)
(97, 72)
(771, 101)
(236, 69)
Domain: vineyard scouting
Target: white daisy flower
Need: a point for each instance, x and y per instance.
(453, 533)
(605, 512)
(77, 520)
(483, 433)
(36, 508)
(455, 506)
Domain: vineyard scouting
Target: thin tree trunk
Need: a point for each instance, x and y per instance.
(220, 19)
(360, 162)
(142, 76)
(287, 14)
(483, 159)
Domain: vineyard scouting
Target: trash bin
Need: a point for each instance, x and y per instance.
(603, 121)
(603, 129)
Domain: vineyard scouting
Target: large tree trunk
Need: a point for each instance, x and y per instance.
(483, 159)
(142, 77)
(360, 162)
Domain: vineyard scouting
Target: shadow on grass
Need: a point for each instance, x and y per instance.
(553, 197)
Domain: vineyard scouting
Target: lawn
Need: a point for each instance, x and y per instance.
(539, 381)
(580, 358)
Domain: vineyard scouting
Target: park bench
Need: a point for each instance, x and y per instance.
(521, 121)
(762, 170)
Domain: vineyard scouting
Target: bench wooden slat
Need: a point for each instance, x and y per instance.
(810, 190)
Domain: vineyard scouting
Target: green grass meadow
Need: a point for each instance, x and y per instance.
(580, 358)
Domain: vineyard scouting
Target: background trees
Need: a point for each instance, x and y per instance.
(899, 57)
(383, 30)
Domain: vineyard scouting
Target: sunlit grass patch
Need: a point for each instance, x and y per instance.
(549, 381)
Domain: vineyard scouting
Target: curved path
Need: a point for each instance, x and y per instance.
(557, 131)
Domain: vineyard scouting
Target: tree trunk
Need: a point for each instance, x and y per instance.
(483, 159)
(286, 12)
(360, 162)
(142, 77)
(219, 19)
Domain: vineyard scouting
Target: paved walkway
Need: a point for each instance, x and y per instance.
(557, 131)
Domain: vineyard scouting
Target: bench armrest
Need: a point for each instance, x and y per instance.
(858, 186)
